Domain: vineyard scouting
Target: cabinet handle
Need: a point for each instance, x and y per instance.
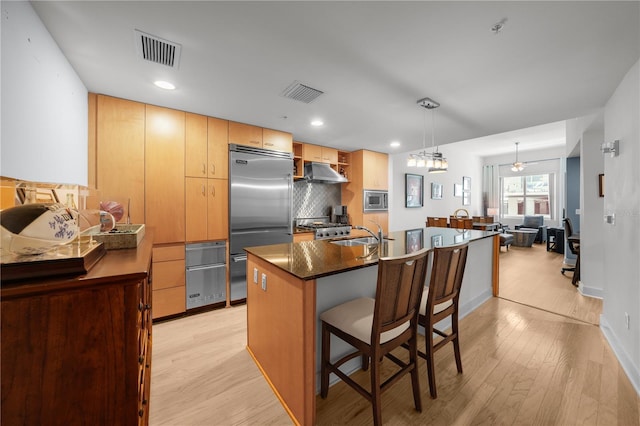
(213, 191)
(204, 191)
(213, 169)
(204, 169)
(140, 360)
(268, 144)
(140, 413)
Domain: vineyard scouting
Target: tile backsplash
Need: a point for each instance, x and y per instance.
(313, 199)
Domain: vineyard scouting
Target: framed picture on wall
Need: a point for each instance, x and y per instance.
(466, 198)
(457, 190)
(436, 191)
(466, 183)
(413, 190)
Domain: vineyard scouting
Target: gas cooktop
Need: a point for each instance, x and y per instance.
(323, 228)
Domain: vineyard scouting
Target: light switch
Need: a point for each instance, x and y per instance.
(255, 275)
(264, 282)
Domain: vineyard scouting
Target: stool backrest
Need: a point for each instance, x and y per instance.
(400, 283)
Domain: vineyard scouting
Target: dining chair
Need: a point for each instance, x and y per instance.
(375, 327)
(573, 241)
(440, 301)
(461, 223)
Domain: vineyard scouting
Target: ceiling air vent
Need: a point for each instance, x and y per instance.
(156, 50)
(300, 92)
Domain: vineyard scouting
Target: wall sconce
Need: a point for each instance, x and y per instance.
(610, 148)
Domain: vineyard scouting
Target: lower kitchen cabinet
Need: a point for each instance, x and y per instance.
(77, 350)
(169, 290)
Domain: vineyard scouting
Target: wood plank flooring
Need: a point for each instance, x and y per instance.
(522, 365)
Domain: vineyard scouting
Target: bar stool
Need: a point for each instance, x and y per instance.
(440, 301)
(377, 326)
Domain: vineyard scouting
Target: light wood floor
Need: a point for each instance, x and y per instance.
(522, 365)
(532, 276)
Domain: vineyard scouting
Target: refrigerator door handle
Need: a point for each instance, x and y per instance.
(240, 258)
(290, 185)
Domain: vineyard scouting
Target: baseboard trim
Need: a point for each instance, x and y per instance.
(594, 292)
(629, 368)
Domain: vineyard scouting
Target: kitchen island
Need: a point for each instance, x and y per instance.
(289, 285)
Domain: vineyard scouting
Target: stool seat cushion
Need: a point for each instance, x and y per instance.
(356, 318)
(438, 308)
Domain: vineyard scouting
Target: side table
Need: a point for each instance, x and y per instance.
(555, 240)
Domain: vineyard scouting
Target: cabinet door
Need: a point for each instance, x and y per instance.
(245, 134)
(195, 145)
(120, 133)
(375, 170)
(164, 173)
(218, 148)
(329, 155)
(277, 140)
(380, 218)
(312, 152)
(196, 208)
(218, 209)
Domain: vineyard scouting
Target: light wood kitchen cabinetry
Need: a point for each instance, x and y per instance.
(120, 153)
(77, 350)
(277, 140)
(164, 173)
(298, 162)
(303, 236)
(169, 292)
(368, 170)
(218, 148)
(207, 203)
(196, 151)
(319, 154)
(245, 134)
(375, 170)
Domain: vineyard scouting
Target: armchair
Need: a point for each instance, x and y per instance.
(536, 223)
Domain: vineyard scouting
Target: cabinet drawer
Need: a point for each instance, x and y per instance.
(169, 252)
(168, 274)
(168, 301)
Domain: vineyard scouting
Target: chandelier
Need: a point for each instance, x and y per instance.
(434, 161)
(517, 166)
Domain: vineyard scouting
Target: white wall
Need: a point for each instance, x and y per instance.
(621, 240)
(460, 164)
(44, 103)
(591, 213)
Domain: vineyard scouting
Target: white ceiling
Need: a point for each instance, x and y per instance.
(373, 60)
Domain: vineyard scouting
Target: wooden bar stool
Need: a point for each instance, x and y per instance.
(377, 326)
(437, 221)
(440, 301)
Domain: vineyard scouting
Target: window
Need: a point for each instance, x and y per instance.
(528, 195)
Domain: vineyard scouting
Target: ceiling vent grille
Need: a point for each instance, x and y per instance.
(301, 92)
(156, 50)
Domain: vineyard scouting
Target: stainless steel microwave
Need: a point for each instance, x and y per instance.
(374, 201)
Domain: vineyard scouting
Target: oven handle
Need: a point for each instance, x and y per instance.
(240, 258)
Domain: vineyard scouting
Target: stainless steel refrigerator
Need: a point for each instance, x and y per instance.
(260, 211)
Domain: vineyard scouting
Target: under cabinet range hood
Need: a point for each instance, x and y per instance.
(322, 172)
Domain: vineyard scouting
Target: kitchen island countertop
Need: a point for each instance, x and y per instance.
(309, 260)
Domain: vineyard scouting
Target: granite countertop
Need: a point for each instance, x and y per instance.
(309, 260)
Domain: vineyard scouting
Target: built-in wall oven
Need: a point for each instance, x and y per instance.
(206, 273)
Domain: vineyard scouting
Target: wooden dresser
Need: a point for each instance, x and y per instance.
(77, 350)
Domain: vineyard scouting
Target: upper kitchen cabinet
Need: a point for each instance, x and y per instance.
(196, 158)
(164, 173)
(218, 149)
(374, 166)
(319, 154)
(207, 203)
(119, 152)
(245, 134)
(206, 149)
(277, 140)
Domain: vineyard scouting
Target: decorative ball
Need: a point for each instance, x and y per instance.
(36, 228)
(116, 209)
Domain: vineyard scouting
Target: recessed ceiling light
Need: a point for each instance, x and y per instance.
(395, 144)
(317, 123)
(164, 85)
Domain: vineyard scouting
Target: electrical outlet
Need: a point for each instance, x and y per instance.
(255, 275)
(627, 320)
(264, 282)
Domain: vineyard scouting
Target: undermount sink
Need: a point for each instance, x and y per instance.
(363, 241)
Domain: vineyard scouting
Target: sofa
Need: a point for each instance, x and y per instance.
(535, 223)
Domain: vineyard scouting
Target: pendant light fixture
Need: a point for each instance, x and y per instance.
(434, 160)
(517, 166)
